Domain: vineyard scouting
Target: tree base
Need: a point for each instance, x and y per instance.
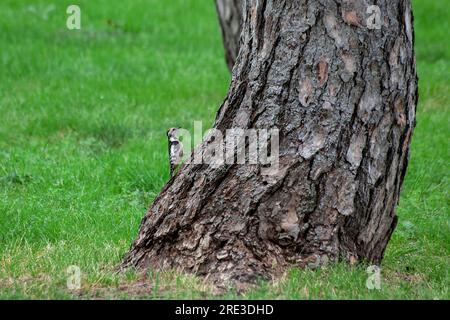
(238, 265)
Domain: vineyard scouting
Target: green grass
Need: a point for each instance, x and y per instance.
(83, 150)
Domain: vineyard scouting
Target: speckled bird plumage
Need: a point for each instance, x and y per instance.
(175, 150)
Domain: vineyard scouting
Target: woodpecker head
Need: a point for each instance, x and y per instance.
(172, 134)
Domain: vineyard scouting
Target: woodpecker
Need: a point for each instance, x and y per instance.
(175, 150)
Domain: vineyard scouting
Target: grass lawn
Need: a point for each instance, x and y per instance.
(83, 116)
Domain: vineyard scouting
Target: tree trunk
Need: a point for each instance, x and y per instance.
(230, 17)
(343, 96)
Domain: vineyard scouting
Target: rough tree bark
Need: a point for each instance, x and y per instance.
(230, 17)
(344, 98)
